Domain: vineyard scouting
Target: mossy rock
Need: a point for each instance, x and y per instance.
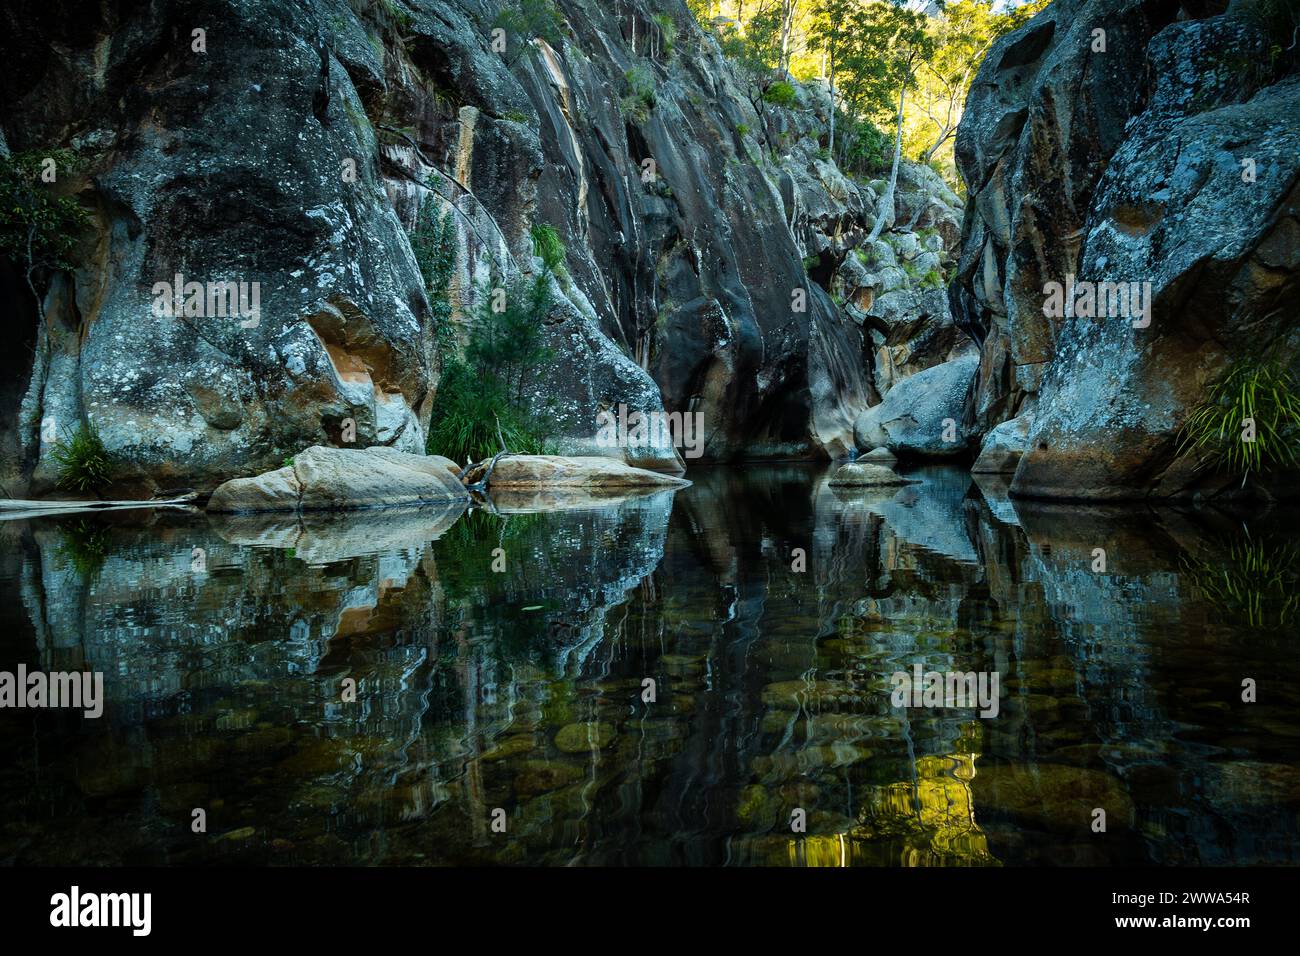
(580, 738)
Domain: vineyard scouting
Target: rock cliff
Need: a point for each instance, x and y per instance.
(1151, 146)
(712, 261)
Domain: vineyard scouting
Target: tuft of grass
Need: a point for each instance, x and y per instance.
(1262, 392)
(547, 246)
(83, 461)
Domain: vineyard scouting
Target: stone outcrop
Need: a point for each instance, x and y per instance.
(922, 415)
(340, 479)
(1003, 446)
(1169, 159)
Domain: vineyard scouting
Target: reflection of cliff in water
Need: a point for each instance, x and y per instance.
(522, 688)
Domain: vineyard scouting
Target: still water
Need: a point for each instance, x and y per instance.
(228, 647)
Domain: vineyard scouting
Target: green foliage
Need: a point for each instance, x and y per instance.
(482, 383)
(667, 32)
(639, 99)
(742, 130)
(932, 279)
(528, 20)
(780, 93)
(1280, 20)
(38, 227)
(435, 247)
(83, 461)
(547, 246)
(863, 148)
(1262, 391)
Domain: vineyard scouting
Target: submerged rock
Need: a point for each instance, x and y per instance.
(922, 414)
(336, 479)
(557, 471)
(865, 475)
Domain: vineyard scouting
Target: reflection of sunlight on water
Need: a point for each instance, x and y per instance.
(522, 690)
(928, 821)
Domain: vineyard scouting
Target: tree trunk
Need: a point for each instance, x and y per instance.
(831, 147)
(887, 212)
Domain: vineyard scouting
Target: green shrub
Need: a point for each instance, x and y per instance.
(38, 227)
(1262, 391)
(482, 383)
(667, 31)
(640, 97)
(932, 279)
(435, 247)
(528, 20)
(83, 461)
(780, 93)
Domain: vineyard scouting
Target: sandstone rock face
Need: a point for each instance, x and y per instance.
(529, 472)
(340, 479)
(858, 474)
(921, 413)
(1168, 162)
(1003, 446)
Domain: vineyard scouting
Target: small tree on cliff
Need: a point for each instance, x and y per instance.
(906, 44)
(39, 228)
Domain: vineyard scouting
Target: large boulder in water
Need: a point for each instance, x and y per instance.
(530, 472)
(921, 413)
(338, 479)
(860, 474)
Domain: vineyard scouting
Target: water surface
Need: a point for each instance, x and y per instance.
(228, 645)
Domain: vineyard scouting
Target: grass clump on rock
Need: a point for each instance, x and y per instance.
(83, 461)
(1249, 423)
